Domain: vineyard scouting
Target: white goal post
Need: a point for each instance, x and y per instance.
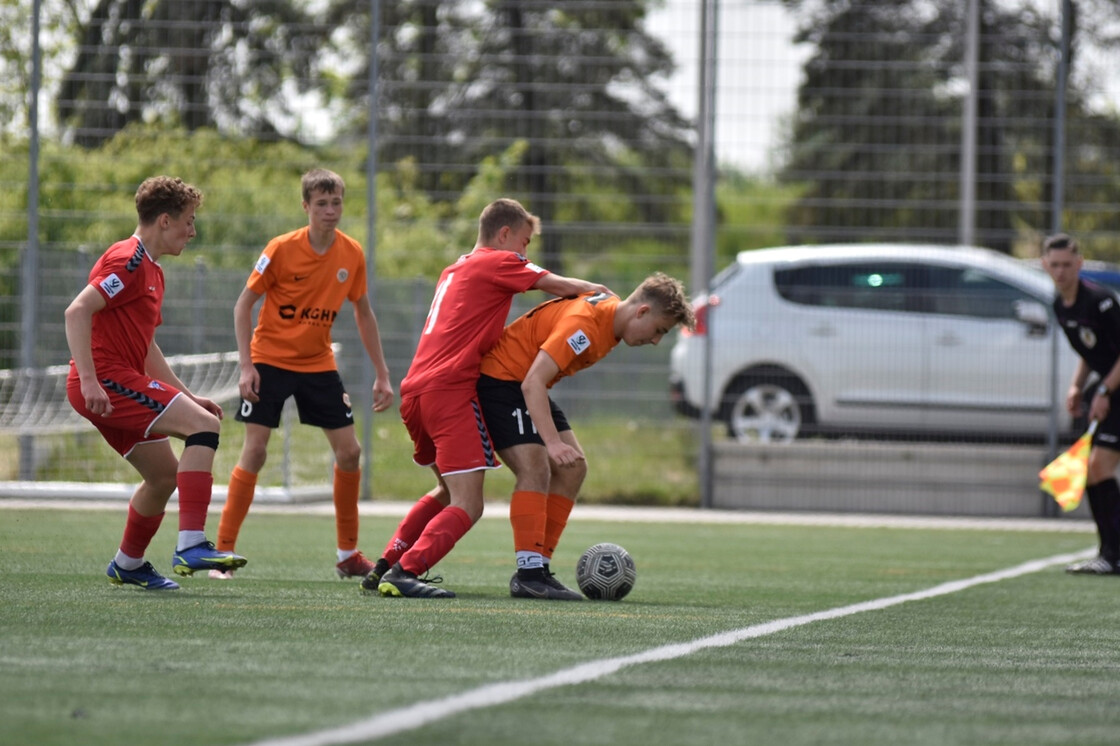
(33, 400)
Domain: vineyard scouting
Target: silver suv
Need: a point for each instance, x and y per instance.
(876, 339)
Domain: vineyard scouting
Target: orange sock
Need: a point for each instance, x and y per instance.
(527, 514)
(559, 508)
(346, 487)
(242, 485)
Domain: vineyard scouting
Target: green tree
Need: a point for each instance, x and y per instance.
(576, 82)
(193, 63)
(876, 143)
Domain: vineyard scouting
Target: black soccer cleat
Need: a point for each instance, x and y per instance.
(540, 584)
(373, 577)
(403, 584)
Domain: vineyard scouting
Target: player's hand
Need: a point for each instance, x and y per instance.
(96, 398)
(1073, 400)
(563, 454)
(209, 405)
(249, 384)
(382, 395)
(1099, 408)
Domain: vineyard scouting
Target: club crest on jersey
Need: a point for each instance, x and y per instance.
(579, 342)
(342, 275)
(112, 285)
(1088, 338)
(1106, 304)
(261, 264)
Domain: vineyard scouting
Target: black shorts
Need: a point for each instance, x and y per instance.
(321, 399)
(507, 417)
(1108, 431)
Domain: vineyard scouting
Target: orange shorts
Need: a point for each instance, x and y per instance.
(447, 429)
(138, 402)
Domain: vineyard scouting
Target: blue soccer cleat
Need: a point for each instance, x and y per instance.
(205, 557)
(144, 576)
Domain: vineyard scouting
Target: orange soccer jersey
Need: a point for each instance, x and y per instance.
(575, 332)
(303, 293)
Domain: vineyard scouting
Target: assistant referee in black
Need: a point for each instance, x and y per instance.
(1090, 317)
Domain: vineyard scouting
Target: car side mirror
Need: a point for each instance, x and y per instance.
(1033, 314)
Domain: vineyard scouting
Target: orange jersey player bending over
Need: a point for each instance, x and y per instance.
(557, 339)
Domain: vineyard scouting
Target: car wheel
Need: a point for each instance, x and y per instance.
(767, 408)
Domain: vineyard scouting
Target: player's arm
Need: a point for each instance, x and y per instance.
(568, 286)
(79, 338)
(248, 381)
(535, 390)
(1073, 395)
(157, 367)
(371, 340)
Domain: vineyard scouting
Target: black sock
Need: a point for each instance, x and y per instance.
(531, 573)
(1104, 503)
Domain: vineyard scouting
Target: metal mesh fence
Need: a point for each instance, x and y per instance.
(834, 123)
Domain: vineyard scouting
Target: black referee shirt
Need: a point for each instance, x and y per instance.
(1092, 325)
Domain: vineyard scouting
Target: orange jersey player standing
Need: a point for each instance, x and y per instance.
(439, 403)
(304, 278)
(531, 433)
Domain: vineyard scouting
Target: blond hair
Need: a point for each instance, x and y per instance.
(668, 295)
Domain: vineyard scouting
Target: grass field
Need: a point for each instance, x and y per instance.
(287, 650)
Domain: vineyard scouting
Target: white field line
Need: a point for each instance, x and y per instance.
(424, 713)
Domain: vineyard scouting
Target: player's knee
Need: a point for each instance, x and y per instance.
(348, 458)
(162, 485)
(204, 438)
(253, 456)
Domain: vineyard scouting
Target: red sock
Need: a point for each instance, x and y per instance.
(194, 499)
(138, 532)
(409, 530)
(438, 539)
(242, 485)
(347, 485)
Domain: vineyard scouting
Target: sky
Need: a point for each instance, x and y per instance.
(757, 76)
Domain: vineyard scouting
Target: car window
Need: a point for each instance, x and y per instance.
(965, 291)
(884, 286)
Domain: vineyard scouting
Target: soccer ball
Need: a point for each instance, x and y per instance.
(605, 572)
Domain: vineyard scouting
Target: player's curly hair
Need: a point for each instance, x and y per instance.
(165, 194)
(668, 294)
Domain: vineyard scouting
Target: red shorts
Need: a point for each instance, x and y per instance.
(138, 401)
(447, 429)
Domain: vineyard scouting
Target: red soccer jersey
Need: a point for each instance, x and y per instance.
(131, 282)
(575, 332)
(303, 293)
(470, 307)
